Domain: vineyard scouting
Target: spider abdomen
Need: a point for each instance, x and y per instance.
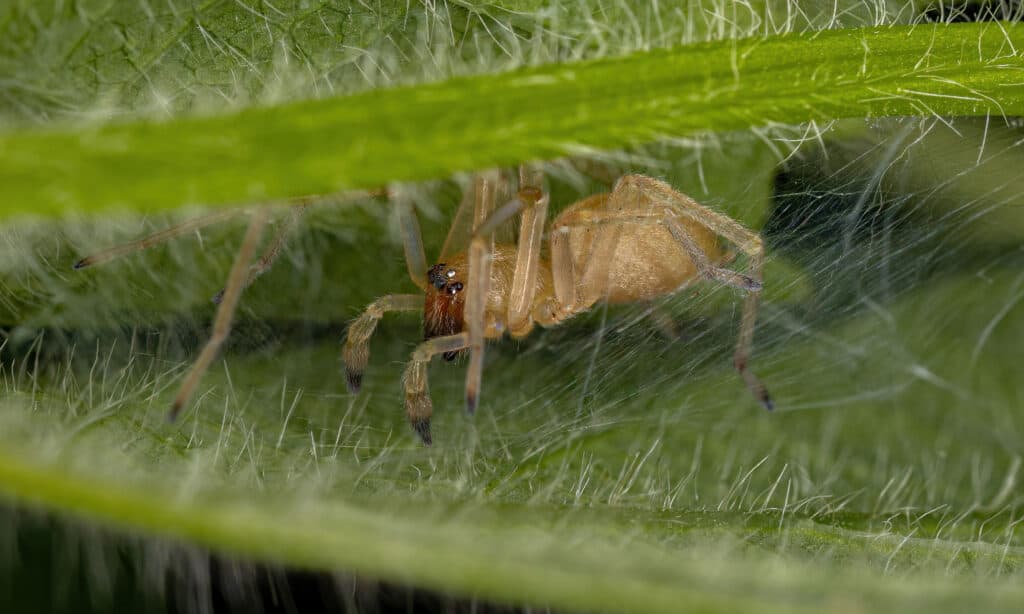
(646, 261)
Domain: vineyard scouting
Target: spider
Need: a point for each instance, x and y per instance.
(640, 241)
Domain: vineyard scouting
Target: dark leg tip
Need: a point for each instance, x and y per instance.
(422, 428)
(354, 381)
(81, 264)
(217, 298)
(767, 402)
(172, 415)
(471, 403)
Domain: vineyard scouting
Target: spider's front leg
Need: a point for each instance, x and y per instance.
(356, 353)
(418, 407)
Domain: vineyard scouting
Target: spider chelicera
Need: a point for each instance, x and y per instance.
(640, 241)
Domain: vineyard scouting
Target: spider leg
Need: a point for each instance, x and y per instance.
(225, 312)
(597, 268)
(418, 407)
(201, 222)
(534, 204)
(472, 212)
(531, 203)
(672, 206)
(356, 353)
(531, 175)
(752, 284)
(748, 241)
(563, 273)
(481, 246)
(461, 226)
(412, 243)
(273, 250)
(577, 291)
(156, 238)
(704, 267)
(746, 338)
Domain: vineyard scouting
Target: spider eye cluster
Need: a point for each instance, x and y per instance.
(442, 278)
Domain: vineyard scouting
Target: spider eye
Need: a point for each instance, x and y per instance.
(450, 273)
(455, 288)
(435, 277)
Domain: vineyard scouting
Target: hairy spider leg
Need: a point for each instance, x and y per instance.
(418, 407)
(356, 351)
(225, 312)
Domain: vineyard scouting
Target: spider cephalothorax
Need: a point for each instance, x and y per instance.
(445, 303)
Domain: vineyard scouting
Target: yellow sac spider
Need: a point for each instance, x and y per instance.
(638, 242)
(641, 241)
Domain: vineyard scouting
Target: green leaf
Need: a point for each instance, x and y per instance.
(430, 131)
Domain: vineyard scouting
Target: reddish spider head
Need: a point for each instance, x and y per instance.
(446, 299)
